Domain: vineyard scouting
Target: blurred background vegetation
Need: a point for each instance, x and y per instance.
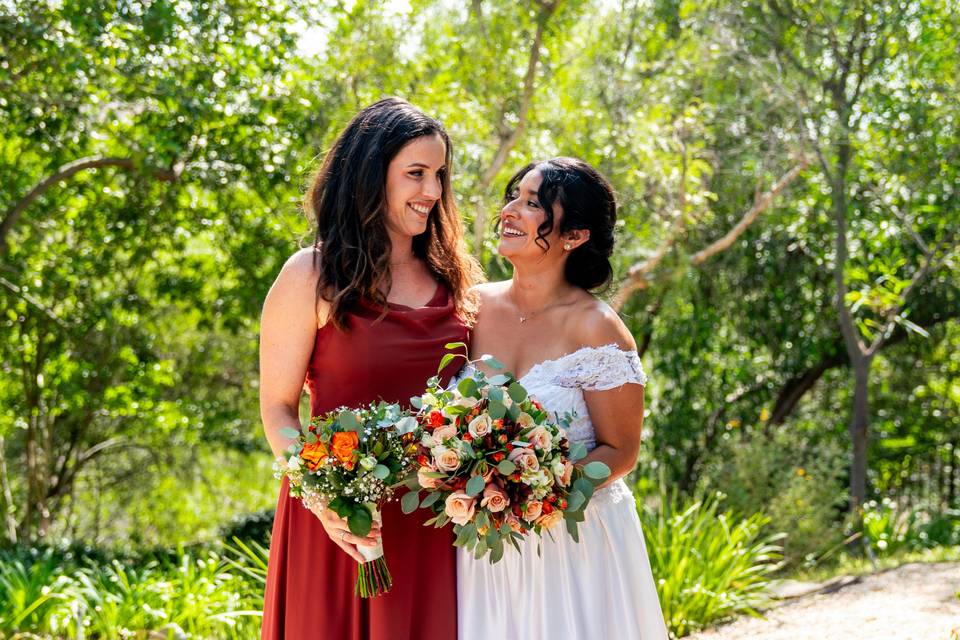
(789, 181)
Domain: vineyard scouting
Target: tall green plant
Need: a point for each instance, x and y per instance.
(708, 565)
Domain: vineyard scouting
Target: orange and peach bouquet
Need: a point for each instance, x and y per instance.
(496, 464)
(351, 461)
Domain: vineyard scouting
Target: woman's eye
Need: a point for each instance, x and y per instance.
(532, 204)
(417, 174)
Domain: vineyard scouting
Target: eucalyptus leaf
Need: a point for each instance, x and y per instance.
(410, 501)
(596, 470)
(475, 486)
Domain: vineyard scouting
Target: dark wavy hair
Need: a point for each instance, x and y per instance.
(347, 200)
(588, 202)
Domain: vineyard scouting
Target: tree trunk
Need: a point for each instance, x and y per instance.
(859, 425)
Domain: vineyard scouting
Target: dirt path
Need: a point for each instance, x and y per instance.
(912, 602)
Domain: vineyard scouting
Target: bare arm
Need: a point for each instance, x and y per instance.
(288, 329)
(616, 414)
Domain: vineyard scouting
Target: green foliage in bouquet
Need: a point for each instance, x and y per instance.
(497, 464)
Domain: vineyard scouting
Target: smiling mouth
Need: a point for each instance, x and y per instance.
(510, 232)
(421, 209)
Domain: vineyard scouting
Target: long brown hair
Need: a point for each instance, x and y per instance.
(347, 199)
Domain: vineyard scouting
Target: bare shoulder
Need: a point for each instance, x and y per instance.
(599, 325)
(490, 292)
(295, 288)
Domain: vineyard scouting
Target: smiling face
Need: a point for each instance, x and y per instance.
(522, 216)
(414, 185)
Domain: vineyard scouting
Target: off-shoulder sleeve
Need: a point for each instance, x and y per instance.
(600, 369)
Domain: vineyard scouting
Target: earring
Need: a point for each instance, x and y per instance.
(566, 247)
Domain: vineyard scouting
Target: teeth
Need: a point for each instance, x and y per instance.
(513, 232)
(419, 208)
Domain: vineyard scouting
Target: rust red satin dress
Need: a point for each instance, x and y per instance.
(309, 592)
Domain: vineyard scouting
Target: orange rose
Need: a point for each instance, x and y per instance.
(344, 445)
(314, 455)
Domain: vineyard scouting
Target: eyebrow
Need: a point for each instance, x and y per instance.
(424, 166)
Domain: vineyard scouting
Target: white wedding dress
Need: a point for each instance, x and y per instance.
(600, 588)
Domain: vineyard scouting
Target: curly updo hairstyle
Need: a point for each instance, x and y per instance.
(588, 202)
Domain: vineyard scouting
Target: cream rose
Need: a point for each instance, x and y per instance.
(444, 433)
(444, 459)
(550, 519)
(460, 507)
(513, 521)
(532, 510)
(525, 420)
(494, 498)
(426, 481)
(540, 438)
(567, 474)
(524, 458)
(480, 426)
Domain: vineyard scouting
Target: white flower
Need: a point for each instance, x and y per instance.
(368, 462)
(480, 426)
(557, 466)
(293, 463)
(428, 440)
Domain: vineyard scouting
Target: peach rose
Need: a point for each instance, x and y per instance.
(513, 522)
(567, 474)
(460, 507)
(344, 445)
(540, 438)
(480, 426)
(525, 420)
(445, 460)
(550, 519)
(447, 431)
(426, 481)
(314, 455)
(524, 458)
(494, 498)
(532, 510)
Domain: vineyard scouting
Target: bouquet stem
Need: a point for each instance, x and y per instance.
(373, 576)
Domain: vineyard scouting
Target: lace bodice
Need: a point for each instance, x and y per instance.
(559, 385)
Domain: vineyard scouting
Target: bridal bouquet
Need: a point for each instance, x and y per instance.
(495, 463)
(351, 460)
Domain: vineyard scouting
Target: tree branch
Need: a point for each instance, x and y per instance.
(68, 170)
(637, 279)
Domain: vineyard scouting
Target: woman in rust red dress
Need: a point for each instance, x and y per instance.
(362, 315)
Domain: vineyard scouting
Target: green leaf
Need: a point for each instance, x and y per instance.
(455, 345)
(475, 485)
(360, 521)
(416, 402)
(498, 380)
(506, 467)
(445, 360)
(517, 392)
(466, 534)
(467, 449)
(496, 410)
(468, 388)
(410, 501)
(381, 472)
(495, 394)
(289, 432)
(348, 420)
(575, 500)
(491, 362)
(577, 451)
(596, 470)
(431, 498)
(584, 486)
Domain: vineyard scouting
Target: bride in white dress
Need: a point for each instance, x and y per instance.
(575, 355)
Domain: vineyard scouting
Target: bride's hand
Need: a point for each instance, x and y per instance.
(338, 530)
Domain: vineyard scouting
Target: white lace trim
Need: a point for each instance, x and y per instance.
(594, 368)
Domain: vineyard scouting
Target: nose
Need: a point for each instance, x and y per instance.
(432, 188)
